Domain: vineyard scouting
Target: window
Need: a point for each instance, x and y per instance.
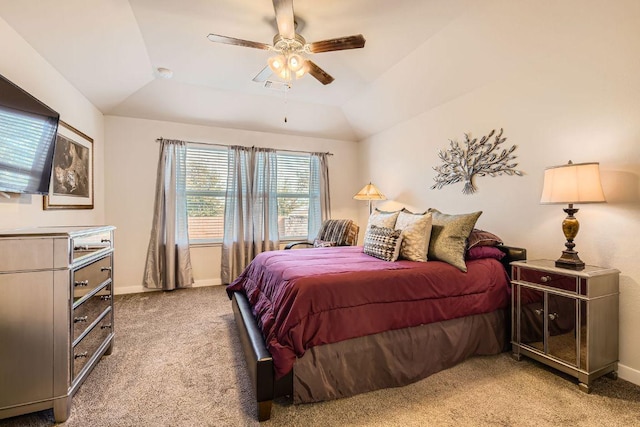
(293, 196)
(206, 187)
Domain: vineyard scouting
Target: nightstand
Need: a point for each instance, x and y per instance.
(566, 319)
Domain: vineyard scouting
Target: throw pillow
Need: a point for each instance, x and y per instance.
(317, 243)
(382, 219)
(482, 238)
(449, 235)
(479, 252)
(383, 243)
(416, 230)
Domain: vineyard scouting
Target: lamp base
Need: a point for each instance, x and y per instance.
(570, 260)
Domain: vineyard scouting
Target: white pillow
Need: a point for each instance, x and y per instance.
(382, 219)
(416, 231)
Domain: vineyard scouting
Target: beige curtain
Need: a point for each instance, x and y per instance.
(168, 263)
(319, 196)
(251, 208)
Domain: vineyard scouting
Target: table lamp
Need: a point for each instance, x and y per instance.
(369, 192)
(572, 183)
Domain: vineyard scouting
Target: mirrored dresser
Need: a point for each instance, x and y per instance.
(56, 314)
(566, 319)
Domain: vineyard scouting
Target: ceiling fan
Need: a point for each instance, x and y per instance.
(292, 47)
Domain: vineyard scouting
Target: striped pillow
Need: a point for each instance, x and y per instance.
(383, 242)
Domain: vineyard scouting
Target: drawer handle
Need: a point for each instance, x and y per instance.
(105, 241)
(107, 326)
(539, 311)
(81, 355)
(545, 279)
(81, 283)
(105, 297)
(553, 316)
(105, 269)
(80, 319)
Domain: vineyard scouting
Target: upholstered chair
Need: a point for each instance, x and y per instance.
(333, 232)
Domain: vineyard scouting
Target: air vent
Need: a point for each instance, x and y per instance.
(277, 86)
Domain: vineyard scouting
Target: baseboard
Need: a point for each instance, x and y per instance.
(140, 289)
(629, 374)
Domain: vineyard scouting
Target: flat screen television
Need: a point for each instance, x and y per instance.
(27, 138)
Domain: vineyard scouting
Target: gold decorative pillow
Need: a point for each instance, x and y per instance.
(416, 230)
(449, 235)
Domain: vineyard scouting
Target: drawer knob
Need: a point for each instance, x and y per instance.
(107, 326)
(80, 319)
(545, 279)
(105, 269)
(553, 316)
(81, 355)
(539, 311)
(81, 283)
(105, 297)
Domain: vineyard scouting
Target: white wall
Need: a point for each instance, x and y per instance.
(564, 87)
(131, 161)
(27, 69)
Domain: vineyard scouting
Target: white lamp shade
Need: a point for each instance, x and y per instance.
(369, 192)
(572, 183)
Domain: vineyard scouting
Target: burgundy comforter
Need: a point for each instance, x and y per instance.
(309, 297)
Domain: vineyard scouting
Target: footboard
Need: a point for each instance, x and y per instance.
(258, 358)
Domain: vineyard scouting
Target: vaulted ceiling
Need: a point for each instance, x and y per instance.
(110, 51)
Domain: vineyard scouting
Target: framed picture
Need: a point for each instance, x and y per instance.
(71, 184)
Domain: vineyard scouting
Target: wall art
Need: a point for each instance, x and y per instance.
(472, 158)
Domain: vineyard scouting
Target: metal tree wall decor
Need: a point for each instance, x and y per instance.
(474, 158)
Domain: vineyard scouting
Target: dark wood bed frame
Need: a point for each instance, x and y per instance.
(260, 362)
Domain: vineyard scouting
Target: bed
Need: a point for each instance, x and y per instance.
(325, 323)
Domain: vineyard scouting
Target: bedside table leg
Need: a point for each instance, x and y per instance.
(613, 375)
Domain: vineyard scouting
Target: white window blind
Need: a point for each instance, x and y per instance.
(206, 188)
(207, 170)
(293, 196)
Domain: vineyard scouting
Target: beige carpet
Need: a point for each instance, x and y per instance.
(177, 362)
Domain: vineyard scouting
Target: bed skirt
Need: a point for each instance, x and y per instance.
(394, 358)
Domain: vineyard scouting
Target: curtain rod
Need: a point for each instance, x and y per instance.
(227, 145)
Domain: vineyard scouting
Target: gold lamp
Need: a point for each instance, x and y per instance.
(572, 183)
(369, 192)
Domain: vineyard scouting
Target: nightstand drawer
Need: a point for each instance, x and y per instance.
(552, 280)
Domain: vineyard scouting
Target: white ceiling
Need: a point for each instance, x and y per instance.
(109, 50)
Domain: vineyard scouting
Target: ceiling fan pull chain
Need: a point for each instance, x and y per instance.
(286, 91)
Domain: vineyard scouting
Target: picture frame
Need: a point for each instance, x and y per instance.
(71, 185)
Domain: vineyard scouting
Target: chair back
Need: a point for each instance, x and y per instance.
(342, 231)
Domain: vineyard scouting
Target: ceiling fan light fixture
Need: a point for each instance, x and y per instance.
(295, 62)
(277, 63)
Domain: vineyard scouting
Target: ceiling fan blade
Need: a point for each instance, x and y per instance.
(318, 73)
(238, 42)
(263, 75)
(341, 43)
(284, 18)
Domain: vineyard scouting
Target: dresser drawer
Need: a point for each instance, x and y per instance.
(552, 280)
(87, 312)
(85, 349)
(89, 277)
